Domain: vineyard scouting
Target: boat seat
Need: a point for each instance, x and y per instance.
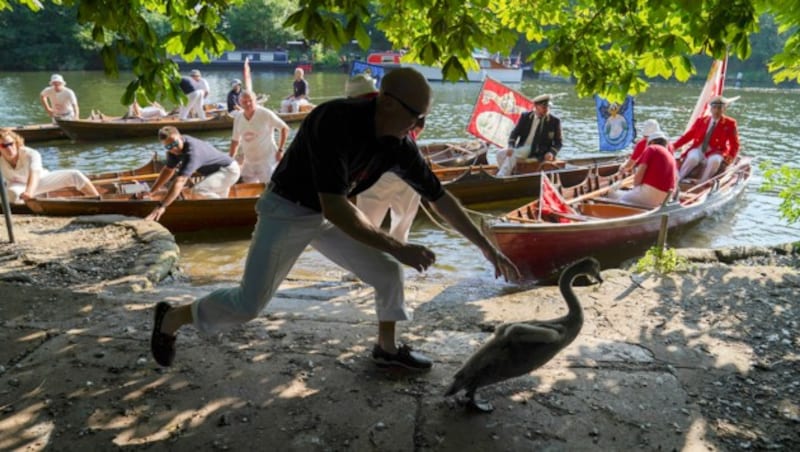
(618, 202)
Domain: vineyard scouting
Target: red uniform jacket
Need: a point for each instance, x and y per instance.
(724, 139)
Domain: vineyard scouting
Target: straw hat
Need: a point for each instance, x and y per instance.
(194, 73)
(657, 135)
(650, 127)
(719, 100)
(57, 78)
(360, 85)
(235, 82)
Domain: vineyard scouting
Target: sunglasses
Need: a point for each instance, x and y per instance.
(414, 112)
(8, 145)
(172, 145)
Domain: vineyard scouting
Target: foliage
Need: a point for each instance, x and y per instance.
(786, 180)
(258, 24)
(661, 260)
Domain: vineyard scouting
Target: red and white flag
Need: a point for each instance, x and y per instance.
(551, 201)
(496, 112)
(715, 84)
(248, 79)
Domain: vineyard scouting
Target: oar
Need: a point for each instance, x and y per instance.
(138, 177)
(601, 191)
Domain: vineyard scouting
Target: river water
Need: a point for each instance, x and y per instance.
(767, 125)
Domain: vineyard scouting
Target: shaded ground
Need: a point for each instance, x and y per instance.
(704, 359)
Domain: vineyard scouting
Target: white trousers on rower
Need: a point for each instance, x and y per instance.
(282, 232)
(393, 194)
(218, 184)
(49, 181)
(696, 157)
(194, 106)
(640, 195)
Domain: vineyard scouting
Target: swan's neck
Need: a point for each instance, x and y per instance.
(574, 306)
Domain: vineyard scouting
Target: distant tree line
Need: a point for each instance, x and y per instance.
(258, 24)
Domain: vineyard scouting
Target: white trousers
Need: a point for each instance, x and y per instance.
(641, 195)
(49, 181)
(506, 164)
(696, 157)
(194, 106)
(391, 193)
(218, 184)
(282, 232)
(293, 105)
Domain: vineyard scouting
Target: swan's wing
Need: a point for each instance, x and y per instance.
(530, 334)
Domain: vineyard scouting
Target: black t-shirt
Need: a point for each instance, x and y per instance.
(197, 156)
(336, 151)
(187, 85)
(300, 88)
(233, 99)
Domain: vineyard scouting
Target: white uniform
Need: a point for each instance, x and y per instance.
(257, 148)
(391, 193)
(30, 160)
(62, 102)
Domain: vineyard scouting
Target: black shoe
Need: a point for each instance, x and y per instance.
(404, 357)
(162, 345)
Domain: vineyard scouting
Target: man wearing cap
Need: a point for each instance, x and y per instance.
(254, 139)
(712, 139)
(187, 155)
(196, 89)
(536, 135)
(649, 127)
(233, 96)
(341, 149)
(59, 101)
(655, 174)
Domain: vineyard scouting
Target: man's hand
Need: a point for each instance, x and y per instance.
(415, 256)
(25, 196)
(502, 265)
(509, 152)
(155, 215)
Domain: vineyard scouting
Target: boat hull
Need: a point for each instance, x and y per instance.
(503, 75)
(541, 250)
(40, 132)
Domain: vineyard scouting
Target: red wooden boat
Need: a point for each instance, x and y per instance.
(607, 230)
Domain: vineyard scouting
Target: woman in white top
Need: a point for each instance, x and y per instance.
(58, 100)
(26, 178)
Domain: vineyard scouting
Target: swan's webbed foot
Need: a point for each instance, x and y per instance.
(481, 406)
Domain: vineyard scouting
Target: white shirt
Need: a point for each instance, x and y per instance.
(532, 133)
(29, 160)
(256, 136)
(61, 101)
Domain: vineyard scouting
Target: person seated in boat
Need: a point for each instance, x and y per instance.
(390, 193)
(254, 139)
(233, 96)
(187, 155)
(655, 177)
(298, 100)
(196, 89)
(152, 111)
(59, 101)
(537, 134)
(712, 140)
(25, 176)
(649, 127)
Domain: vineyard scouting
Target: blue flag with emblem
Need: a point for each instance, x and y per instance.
(374, 71)
(614, 123)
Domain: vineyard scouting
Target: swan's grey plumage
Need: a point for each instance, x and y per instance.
(520, 347)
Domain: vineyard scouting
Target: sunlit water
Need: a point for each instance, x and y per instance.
(767, 124)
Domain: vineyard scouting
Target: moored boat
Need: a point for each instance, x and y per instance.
(504, 71)
(113, 128)
(40, 132)
(464, 153)
(610, 231)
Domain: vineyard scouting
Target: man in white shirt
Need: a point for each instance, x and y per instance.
(254, 131)
(59, 101)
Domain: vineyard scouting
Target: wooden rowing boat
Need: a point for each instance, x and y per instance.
(479, 184)
(40, 132)
(607, 230)
(116, 127)
(461, 154)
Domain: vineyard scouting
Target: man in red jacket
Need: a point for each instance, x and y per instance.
(713, 139)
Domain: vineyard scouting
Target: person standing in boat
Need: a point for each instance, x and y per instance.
(656, 174)
(185, 156)
(299, 98)
(196, 88)
(254, 139)
(390, 193)
(233, 96)
(712, 140)
(25, 176)
(341, 149)
(537, 134)
(59, 101)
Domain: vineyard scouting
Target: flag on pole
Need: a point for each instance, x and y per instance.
(248, 79)
(496, 112)
(614, 123)
(551, 201)
(373, 70)
(715, 84)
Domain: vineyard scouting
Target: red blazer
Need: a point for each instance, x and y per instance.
(724, 139)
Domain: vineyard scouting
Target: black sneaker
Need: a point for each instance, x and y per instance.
(405, 358)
